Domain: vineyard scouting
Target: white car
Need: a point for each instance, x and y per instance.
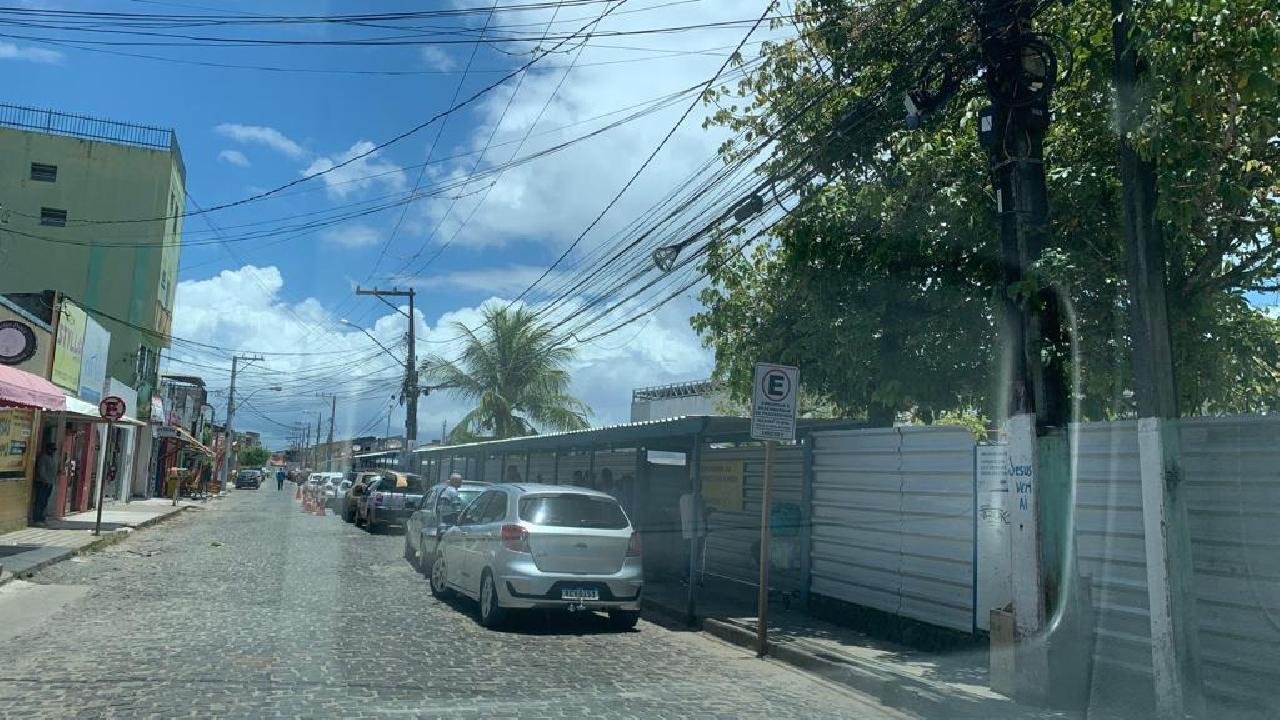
(327, 487)
(542, 546)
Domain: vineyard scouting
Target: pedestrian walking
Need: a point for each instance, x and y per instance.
(279, 479)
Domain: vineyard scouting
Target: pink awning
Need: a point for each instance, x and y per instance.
(21, 388)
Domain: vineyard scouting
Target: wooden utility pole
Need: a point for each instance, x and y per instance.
(1174, 643)
(762, 599)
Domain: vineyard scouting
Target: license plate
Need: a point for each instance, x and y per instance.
(579, 594)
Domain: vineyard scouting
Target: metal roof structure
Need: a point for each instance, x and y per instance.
(669, 434)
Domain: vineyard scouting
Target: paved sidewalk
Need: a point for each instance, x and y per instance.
(25, 551)
(933, 684)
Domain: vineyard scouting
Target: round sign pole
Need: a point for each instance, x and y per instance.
(111, 409)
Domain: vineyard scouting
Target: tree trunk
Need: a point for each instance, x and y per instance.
(1154, 384)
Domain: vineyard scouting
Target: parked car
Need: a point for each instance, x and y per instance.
(248, 478)
(428, 523)
(358, 487)
(327, 488)
(389, 500)
(542, 546)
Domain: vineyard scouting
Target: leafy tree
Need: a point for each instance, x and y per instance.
(514, 372)
(882, 283)
(253, 456)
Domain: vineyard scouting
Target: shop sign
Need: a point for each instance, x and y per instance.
(68, 347)
(15, 439)
(93, 364)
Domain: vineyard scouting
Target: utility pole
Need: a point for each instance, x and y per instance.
(305, 450)
(1020, 74)
(229, 434)
(410, 369)
(333, 409)
(316, 452)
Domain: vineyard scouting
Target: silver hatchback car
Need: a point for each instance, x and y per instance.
(542, 546)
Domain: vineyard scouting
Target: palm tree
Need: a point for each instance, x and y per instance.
(514, 372)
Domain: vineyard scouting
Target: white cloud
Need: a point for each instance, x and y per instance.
(352, 235)
(246, 310)
(262, 135)
(235, 157)
(359, 175)
(437, 59)
(551, 200)
(12, 51)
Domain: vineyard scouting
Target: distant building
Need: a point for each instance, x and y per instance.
(700, 397)
(64, 169)
(186, 401)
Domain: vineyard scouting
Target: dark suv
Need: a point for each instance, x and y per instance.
(389, 500)
(248, 479)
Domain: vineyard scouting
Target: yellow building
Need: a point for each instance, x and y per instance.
(62, 176)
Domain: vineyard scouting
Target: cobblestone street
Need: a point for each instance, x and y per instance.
(252, 608)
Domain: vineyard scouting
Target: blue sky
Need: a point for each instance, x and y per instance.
(243, 131)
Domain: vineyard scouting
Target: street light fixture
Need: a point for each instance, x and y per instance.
(377, 342)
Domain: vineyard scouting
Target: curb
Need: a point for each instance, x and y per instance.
(101, 542)
(894, 689)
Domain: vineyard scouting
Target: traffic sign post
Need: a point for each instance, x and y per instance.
(112, 408)
(773, 418)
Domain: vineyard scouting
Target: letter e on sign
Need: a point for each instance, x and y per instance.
(773, 402)
(111, 408)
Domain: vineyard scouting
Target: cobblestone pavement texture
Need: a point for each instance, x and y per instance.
(251, 608)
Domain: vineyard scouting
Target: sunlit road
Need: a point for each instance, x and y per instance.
(251, 608)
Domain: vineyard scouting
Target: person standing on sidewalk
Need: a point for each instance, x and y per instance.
(46, 476)
(279, 479)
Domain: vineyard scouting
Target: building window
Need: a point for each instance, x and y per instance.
(53, 216)
(44, 173)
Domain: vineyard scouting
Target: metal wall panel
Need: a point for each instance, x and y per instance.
(1232, 471)
(732, 548)
(893, 521)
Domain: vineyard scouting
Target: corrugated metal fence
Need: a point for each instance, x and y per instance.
(732, 548)
(893, 521)
(1232, 471)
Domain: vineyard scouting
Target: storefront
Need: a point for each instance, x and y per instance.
(22, 398)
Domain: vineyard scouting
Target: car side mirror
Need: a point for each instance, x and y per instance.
(449, 518)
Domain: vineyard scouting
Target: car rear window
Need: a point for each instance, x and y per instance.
(412, 484)
(573, 510)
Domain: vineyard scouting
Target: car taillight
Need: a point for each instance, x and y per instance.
(633, 547)
(377, 497)
(515, 538)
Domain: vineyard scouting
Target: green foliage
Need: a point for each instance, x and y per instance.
(882, 285)
(514, 372)
(253, 456)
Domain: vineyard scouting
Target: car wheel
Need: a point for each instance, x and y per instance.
(409, 556)
(492, 614)
(438, 586)
(623, 619)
